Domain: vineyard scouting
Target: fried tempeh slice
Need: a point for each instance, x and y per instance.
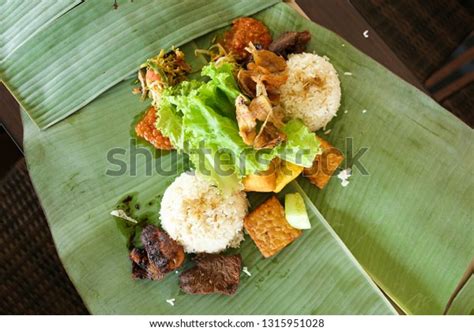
(324, 164)
(213, 273)
(269, 229)
(147, 130)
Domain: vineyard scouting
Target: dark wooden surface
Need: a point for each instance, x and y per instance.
(435, 39)
(33, 281)
(10, 116)
(341, 17)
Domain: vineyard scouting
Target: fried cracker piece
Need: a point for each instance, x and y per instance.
(269, 229)
(324, 164)
(147, 130)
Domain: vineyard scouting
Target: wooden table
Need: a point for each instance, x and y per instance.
(337, 15)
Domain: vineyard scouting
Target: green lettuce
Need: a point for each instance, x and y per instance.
(199, 118)
(301, 145)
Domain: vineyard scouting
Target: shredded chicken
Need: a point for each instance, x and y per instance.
(263, 111)
(268, 137)
(246, 120)
(264, 75)
(261, 81)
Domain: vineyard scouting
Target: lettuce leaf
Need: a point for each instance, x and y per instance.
(199, 118)
(301, 145)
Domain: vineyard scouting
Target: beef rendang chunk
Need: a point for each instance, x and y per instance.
(290, 43)
(159, 256)
(213, 273)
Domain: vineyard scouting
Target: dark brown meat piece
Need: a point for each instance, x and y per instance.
(160, 255)
(213, 273)
(290, 43)
(139, 263)
(162, 250)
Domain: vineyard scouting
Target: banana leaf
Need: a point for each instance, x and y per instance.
(54, 74)
(408, 222)
(23, 19)
(463, 304)
(316, 275)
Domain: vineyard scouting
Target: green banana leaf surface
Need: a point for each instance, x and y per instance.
(406, 216)
(463, 303)
(316, 275)
(23, 19)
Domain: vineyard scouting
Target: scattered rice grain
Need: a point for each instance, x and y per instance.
(344, 175)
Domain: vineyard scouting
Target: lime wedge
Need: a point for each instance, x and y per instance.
(295, 211)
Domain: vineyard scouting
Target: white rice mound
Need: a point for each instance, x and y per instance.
(200, 218)
(312, 92)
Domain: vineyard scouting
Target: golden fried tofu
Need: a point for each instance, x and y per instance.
(274, 179)
(324, 164)
(286, 173)
(260, 182)
(264, 181)
(269, 229)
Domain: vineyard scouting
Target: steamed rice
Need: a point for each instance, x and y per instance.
(312, 92)
(196, 215)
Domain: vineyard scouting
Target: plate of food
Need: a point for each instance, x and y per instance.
(248, 162)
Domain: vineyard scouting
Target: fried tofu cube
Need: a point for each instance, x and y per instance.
(286, 173)
(264, 181)
(274, 179)
(260, 182)
(269, 229)
(324, 165)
